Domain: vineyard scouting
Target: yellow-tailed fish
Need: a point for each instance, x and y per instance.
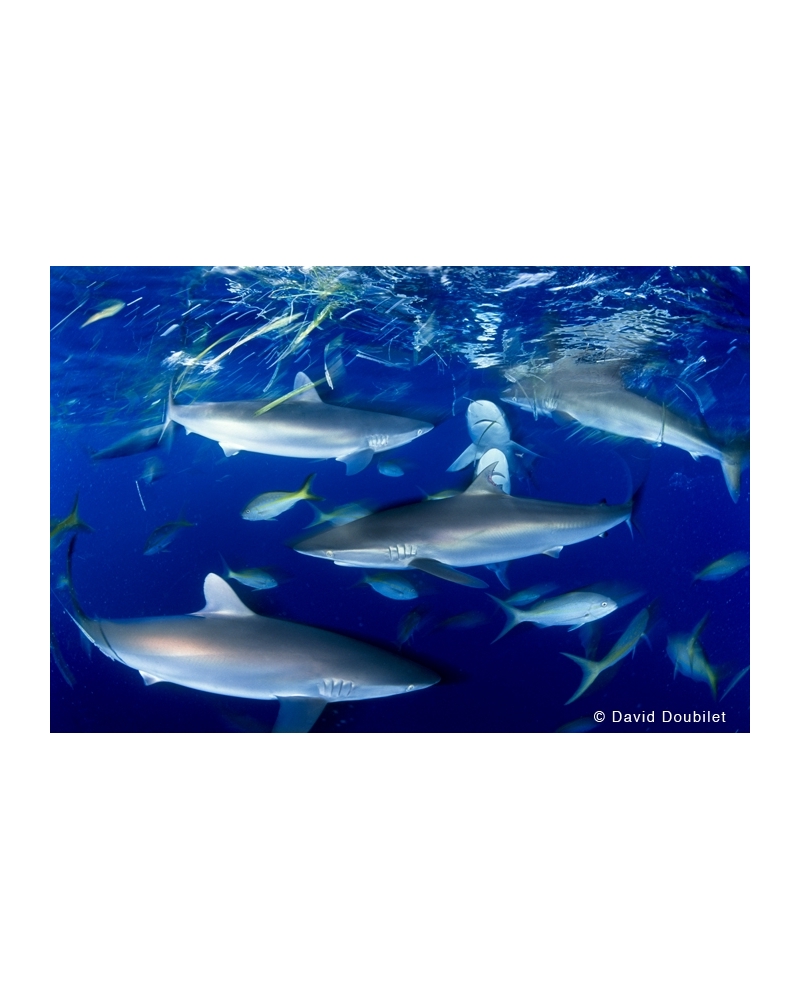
(267, 506)
(110, 309)
(724, 567)
(624, 645)
(71, 522)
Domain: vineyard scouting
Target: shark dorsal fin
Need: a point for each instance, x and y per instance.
(221, 600)
(310, 394)
(484, 484)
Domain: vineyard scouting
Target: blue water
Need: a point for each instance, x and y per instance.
(421, 342)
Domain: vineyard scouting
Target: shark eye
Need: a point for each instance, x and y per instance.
(329, 553)
(410, 687)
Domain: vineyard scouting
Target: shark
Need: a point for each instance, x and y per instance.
(225, 648)
(482, 525)
(594, 395)
(488, 428)
(301, 426)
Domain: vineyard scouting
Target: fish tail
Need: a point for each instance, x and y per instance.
(734, 457)
(590, 668)
(318, 517)
(634, 518)
(305, 490)
(226, 566)
(74, 518)
(513, 616)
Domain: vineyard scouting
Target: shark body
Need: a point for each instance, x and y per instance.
(595, 396)
(228, 649)
(482, 525)
(301, 427)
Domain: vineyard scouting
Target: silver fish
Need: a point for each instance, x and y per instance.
(724, 567)
(479, 526)
(573, 609)
(301, 427)
(594, 395)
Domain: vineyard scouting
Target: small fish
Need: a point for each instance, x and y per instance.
(411, 623)
(690, 659)
(60, 662)
(530, 594)
(392, 585)
(735, 681)
(161, 537)
(109, 309)
(341, 515)
(256, 577)
(724, 567)
(583, 725)
(467, 619)
(573, 610)
(72, 522)
(153, 469)
(624, 645)
(132, 444)
(390, 469)
(267, 506)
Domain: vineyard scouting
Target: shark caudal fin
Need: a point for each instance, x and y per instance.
(734, 458)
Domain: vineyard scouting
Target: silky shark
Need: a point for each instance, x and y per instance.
(226, 648)
(488, 428)
(594, 395)
(482, 525)
(302, 426)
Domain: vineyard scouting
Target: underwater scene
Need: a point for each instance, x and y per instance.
(400, 499)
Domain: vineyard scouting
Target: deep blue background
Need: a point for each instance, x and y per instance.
(109, 378)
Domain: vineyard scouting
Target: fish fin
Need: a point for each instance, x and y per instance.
(484, 485)
(356, 460)
(591, 671)
(500, 570)
(517, 447)
(318, 518)
(310, 394)
(305, 490)
(229, 449)
(435, 568)
(468, 455)
(513, 617)
(553, 552)
(298, 715)
(221, 600)
(562, 418)
(149, 678)
(733, 458)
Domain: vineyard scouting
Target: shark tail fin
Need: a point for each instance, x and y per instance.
(513, 616)
(734, 457)
(591, 670)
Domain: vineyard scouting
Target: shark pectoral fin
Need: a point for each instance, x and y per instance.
(562, 418)
(149, 678)
(357, 460)
(229, 449)
(467, 455)
(298, 715)
(436, 568)
(554, 552)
